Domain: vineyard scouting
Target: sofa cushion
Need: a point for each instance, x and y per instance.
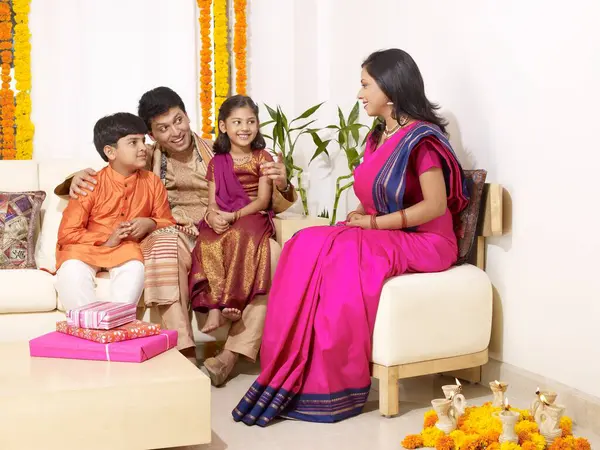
(469, 217)
(26, 290)
(425, 316)
(19, 219)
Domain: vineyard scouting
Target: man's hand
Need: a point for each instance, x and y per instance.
(277, 172)
(121, 232)
(217, 223)
(141, 227)
(82, 181)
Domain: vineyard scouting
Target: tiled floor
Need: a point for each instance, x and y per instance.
(368, 431)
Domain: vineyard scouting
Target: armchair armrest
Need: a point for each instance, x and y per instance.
(288, 225)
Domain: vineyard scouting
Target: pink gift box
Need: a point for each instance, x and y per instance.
(60, 345)
(101, 315)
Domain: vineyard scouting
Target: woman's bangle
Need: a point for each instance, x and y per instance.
(404, 219)
(350, 214)
(374, 222)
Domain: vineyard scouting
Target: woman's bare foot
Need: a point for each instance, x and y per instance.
(232, 314)
(214, 320)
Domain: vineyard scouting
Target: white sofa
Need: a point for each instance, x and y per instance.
(28, 301)
(29, 305)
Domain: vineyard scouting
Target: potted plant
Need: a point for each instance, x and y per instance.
(284, 136)
(348, 137)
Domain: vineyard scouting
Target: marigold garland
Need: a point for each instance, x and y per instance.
(22, 65)
(478, 429)
(221, 56)
(239, 46)
(7, 96)
(206, 94)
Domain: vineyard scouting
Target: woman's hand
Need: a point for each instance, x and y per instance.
(360, 221)
(354, 216)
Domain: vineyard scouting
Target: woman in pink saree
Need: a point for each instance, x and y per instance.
(317, 340)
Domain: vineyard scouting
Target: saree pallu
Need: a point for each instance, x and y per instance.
(316, 345)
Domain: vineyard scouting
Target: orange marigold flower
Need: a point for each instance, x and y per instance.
(527, 445)
(445, 443)
(412, 441)
(566, 425)
(494, 446)
(430, 418)
(582, 444)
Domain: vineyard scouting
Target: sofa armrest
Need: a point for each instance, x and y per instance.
(286, 227)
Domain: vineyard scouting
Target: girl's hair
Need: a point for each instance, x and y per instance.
(222, 144)
(398, 76)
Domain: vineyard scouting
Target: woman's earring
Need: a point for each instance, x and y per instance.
(390, 103)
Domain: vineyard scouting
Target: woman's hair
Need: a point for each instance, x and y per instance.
(222, 144)
(398, 76)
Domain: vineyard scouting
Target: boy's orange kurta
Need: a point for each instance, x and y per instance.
(88, 221)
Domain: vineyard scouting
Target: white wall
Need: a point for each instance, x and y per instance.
(519, 82)
(93, 58)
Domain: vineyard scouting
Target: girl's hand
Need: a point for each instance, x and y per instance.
(228, 216)
(355, 216)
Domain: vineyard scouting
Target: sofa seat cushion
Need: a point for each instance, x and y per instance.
(26, 290)
(428, 316)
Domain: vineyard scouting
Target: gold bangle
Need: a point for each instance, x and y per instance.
(404, 219)
(374, 222)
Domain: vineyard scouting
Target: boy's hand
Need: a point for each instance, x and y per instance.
(121, 232)
(141, 227)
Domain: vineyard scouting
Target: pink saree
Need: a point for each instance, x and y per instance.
(316, 345)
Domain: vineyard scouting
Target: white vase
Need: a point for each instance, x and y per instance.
(446, 414)
(509, 419)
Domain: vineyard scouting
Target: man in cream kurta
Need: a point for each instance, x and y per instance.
(180, 158)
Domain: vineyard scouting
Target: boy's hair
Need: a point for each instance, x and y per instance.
(110, 129)
(222, 144)
(157, 102)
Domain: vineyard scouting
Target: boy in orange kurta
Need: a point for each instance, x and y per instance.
(102, 230)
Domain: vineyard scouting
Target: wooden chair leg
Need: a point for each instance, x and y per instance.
(388, 391)
(472, 375)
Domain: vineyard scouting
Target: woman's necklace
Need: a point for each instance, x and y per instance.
(388, 133)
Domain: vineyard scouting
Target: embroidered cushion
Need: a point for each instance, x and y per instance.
(469, 217)
(19, 218)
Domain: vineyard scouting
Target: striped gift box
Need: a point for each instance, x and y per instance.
(101, 315)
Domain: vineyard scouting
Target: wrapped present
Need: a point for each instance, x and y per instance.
(132, 330)
(60, 345)
(102, 315)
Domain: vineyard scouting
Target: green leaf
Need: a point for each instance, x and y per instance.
(352, 156)
(333, 127)
(353, 117)
(266, 136)
(268, 122)
(284, 120)
(320, 150)
(272, 112)
(342, 137)
(303, 126)
(309, 112)
(316, 139)
(342, 119)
